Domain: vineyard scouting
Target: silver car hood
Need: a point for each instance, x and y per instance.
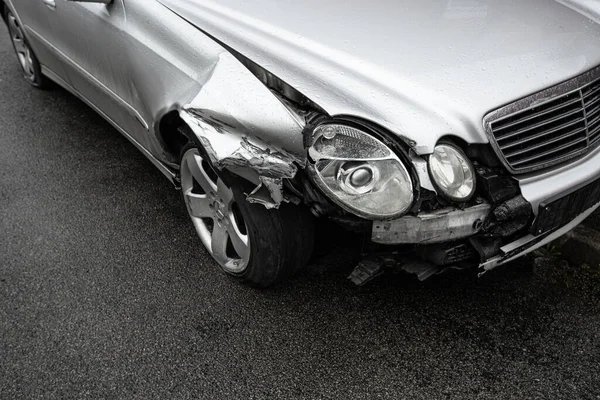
(423, 69)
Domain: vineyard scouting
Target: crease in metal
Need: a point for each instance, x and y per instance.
(231, 121)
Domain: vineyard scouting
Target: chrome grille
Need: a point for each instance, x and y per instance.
(550, 127)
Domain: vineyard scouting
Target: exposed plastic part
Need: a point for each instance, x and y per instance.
(375, 265)
(495, 186)
(271, 197)
(367, 270)
(515, 208)
(529, 243)
(422, 171)
(422, 269)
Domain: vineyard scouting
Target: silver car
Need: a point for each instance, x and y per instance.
(445, 132)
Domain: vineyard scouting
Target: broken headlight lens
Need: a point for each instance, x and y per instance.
(452, 172)
(359, 172)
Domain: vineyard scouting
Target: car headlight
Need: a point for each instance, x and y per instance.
(359, 172)
(452, 172)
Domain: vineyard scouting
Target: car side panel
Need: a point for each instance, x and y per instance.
(169, 61)
(90, 37)
(165, 64)
(38, 20)
(189, 69)
(135, 61)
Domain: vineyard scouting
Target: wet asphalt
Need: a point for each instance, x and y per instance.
(105, 292)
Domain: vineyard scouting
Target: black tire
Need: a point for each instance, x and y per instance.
(33, 76)
(281, 240)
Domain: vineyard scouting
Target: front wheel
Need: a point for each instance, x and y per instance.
(257, 246)
(27, 59)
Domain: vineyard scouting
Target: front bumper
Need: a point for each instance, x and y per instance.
(530, 243)
(572, 191)
(434, 227)
(561, 180)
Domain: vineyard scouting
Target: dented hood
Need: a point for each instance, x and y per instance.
(422, 69)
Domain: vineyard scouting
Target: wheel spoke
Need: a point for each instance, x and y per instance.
(28, 67)
(14, 29)
(239, 240)
(224, 192)
(208, 196)
(199, 205)
(219, 243)
(20, 46)
(200, 175)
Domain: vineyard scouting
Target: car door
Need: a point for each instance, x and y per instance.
(92, 37)
(39, 19)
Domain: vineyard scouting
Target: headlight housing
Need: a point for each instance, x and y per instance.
(359, 172)
(452, 173)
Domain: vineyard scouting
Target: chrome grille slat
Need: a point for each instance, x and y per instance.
(593, 125)
(550, 131)
(554, 140)
(567, 156)
(592, 91)
(541, 124)
(549, 127)
(593, 131)
(549, 152)
(592, 115)
(539, 114)
(594, 120)
(592, 103)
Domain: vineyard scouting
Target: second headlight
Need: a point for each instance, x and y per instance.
(452, 173)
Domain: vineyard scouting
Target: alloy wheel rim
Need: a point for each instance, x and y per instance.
(22, 48)
(214, 212)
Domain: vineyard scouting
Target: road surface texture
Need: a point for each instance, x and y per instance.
(105, 292)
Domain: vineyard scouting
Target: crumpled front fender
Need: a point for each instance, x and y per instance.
(241, 124)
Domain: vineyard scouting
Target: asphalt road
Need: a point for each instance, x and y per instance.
(105, 292)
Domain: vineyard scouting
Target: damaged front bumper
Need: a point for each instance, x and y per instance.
(456, 249)
(443, 225)
(529, 243)
(495, 234)
(561, 198)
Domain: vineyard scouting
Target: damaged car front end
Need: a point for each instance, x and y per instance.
(444, 210)
(426, 206)
(454, 208)
(448, 135)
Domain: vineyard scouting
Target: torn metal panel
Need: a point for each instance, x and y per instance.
(241, 124)
(269, 192)
(235, 101)
(434, 227)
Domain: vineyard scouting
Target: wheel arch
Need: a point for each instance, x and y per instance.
(173, 134)
(3, 10)
(5, 6)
